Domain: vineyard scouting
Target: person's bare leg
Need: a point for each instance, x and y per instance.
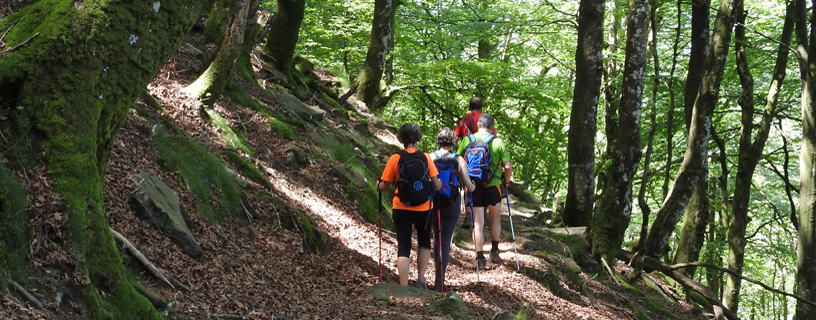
(423, 257)
(478, 229)
(403, 265)
(495, 223)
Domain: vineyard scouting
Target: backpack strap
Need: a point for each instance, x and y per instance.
(470, 117)
(489, 138)
(438, 154)
(471, 137)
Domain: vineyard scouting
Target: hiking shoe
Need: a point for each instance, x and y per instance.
(494, 257)
(421, 284)
(481, 263)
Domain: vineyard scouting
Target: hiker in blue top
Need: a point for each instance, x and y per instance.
(486, 156)
(453, 174)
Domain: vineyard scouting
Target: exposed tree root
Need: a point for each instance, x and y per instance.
(141, 258)
(22, 291)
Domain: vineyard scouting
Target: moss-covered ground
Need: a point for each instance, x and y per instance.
(14, 229)
(216, 191)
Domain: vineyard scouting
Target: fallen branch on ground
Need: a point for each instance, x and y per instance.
(650, 264)
(154, 298)
(230, 317)
(765, 286)
(25, 294)
(141, 258)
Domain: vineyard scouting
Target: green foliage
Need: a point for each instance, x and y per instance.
(248, 170)
(215, 190)
(14, 229)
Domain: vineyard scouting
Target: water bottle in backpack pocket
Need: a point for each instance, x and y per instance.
(448, 168)
(414, 184)
(477, 154)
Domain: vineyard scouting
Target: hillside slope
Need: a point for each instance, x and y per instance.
(284, 209)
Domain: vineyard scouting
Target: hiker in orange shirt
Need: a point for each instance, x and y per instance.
(416, 179)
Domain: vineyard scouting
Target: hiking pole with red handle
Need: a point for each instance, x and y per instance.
(513, 232)
(379, 262)
(473, 223)
(439, 245)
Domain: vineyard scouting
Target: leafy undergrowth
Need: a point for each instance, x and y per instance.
(254, 265)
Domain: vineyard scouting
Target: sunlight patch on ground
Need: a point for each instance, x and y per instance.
(386, 137)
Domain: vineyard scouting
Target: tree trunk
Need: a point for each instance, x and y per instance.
(283, 35)
(700, 20)
(806, 250)
(209, 85)
(692, 234)
(610, 224)
(696, 151)
(581, 136)
(670, 113)
(382, 33)
(750, 153)
(74, 85)
(644, 181)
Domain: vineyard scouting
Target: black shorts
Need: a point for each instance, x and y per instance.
(404, 222)
(483, 197)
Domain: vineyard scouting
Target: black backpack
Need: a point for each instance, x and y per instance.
(414, 184)
(448, 169)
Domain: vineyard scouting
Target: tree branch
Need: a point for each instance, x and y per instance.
(749, 279)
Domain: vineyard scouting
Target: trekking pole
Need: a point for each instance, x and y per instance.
(441, 272)
(473, 222)
(379, 263)
(513, 232)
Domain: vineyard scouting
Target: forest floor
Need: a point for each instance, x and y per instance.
(255, 267)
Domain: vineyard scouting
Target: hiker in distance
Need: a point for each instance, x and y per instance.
(466, 126)
(453, 173)
(486, 155)
(415, 176)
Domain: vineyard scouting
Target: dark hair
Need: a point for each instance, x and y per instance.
(486, 121)
(445, 137)
(409, 133)
(475, 104)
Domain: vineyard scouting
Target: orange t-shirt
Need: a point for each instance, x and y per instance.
(391, 174)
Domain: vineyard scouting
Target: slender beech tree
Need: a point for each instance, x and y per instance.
(616, 207)
(211, 83)
(806, 250)
(611, 92)
(644, 180)
(699, 132)
(750, 152)
(369, 87)
(283, 36)
(581, 136)
(672, 99)
(694, 225)
(72, 86)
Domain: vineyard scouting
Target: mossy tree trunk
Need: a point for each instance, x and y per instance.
(581, 136)
(694, 224)
(209, 86)
(616, 207)
(369, 87)
(73, 86)
(283, 36)
(699, 133)
(806, 250)
(750, 152)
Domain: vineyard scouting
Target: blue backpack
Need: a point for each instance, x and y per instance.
(448, 168)
(477, 154)
(414, 184)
